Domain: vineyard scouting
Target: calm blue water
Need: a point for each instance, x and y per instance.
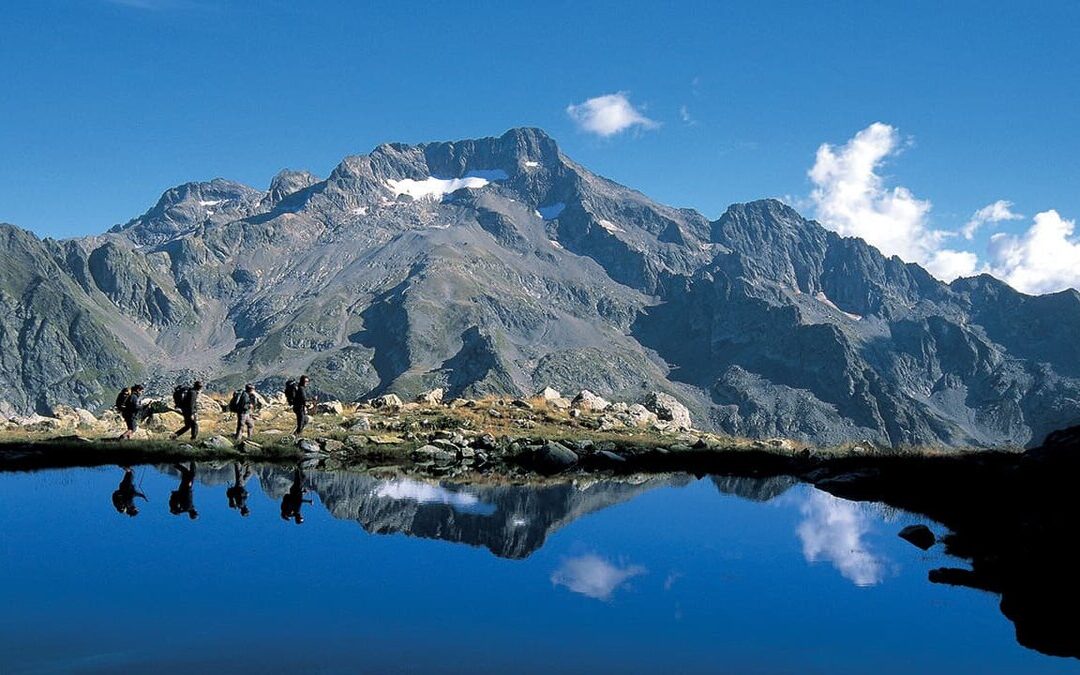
(675, 574)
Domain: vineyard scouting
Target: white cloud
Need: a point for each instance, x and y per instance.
(833, 530)
(991, 213)
(608, 115)
(684, 115)
(425, 493)
(851, 198)
(593, 576)
(1044, 259)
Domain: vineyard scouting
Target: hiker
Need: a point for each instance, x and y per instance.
(244, 404)
(130, 407)
(187, 400)
(123, 498)
(182, 499)
(238, 493)
(293, 500)
(296, 395)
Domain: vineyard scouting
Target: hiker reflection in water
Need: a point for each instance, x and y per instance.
(182, 498)
(294, 499)
(123, 498)
(238, 494)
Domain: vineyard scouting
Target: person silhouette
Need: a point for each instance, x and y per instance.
(123, 497)
(182, 498)
(238, 494)
(293, 500)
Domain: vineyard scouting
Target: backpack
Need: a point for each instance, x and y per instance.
(234, 402)
(290, 391)
(122, 399)
(180, 396)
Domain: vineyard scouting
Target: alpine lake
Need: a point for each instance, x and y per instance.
(261, 568)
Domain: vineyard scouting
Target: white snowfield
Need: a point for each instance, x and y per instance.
(213, 202)
(610, 226)
(436, 188)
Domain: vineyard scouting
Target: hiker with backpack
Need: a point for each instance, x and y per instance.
(244, 403)
(129, 404)
(186, 399)
(296, 396)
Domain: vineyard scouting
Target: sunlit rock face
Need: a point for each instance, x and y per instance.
(500, 266)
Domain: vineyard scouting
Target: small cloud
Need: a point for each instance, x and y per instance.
(671, 579)
(608, 115)
(593, 576)
(991, 213)
(833, 530)
(684, 115)
(1044, 259)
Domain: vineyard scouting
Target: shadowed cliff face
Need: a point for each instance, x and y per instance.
(499, 266)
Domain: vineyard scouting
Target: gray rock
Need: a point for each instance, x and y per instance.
(668, 408)
(308, 446)
(330, 408)
(554, 457)
(431, 397)
(218, 443)
(387, 401)
(434, 453)
(589, 402)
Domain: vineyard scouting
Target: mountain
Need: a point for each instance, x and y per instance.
(499, 265)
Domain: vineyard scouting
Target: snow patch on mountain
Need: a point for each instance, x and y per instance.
(435, 188)
(610, 226)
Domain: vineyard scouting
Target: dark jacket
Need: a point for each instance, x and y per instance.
(300, 399)
(133, 404)
(248, 402)
(191, 403)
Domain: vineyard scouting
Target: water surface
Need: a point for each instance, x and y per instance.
(671, 574)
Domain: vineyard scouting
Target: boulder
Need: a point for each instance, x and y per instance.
(462, 403)
(521, 403)
(277, 400)
(554, 457)
(431, 397)
(330, 408)
(264, 402)
(37, 422)
(360, 423)
(434, 453)
(308, 446)
(387, 402)
(668, 409)
(548, 394)
(217, 443)
(331, 445)
(589, 402)
(638, 415)
(164, 421)
(918, 535)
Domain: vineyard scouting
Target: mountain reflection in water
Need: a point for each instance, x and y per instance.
(761, 567)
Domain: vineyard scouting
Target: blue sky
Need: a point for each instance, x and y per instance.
(106, 103)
